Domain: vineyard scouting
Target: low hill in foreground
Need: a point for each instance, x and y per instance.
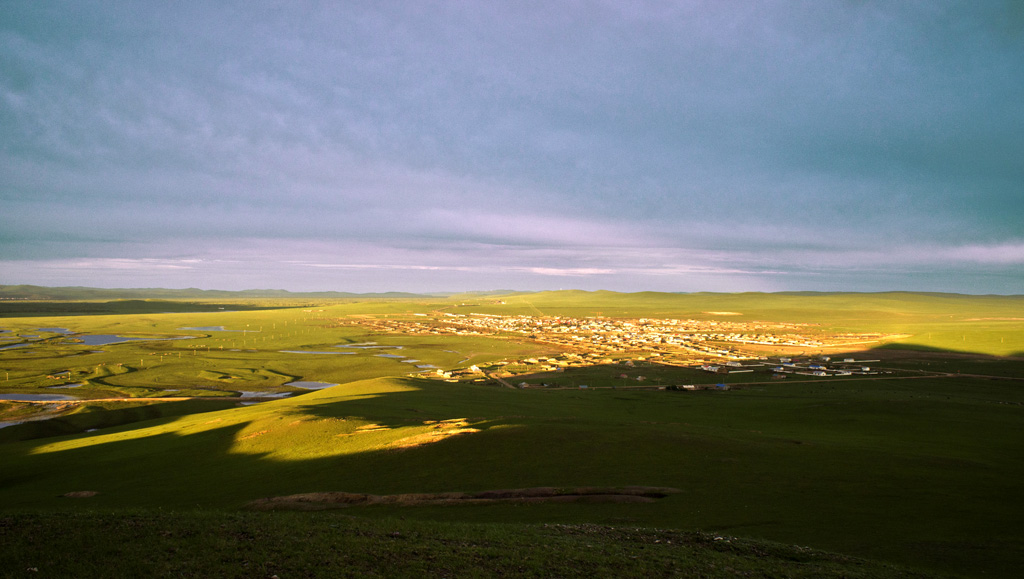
(912, 472)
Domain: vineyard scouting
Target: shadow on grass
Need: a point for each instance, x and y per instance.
(869, 476)
(906, 347)
(651, 374)
(80, 422)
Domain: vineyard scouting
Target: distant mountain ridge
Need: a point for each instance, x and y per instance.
(73, 293)
(33, 292)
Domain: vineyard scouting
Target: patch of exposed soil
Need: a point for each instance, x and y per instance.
(337, 500)
(254, 434)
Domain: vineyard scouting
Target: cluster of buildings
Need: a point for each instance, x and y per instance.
(824, 366)
(702, 338)
(711, 345)
(782, 367)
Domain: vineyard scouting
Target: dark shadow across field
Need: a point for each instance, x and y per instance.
(887, 362)
(889, 470)
(922, 351)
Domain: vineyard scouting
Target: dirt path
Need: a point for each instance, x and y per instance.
(335, 500)
(501, 381)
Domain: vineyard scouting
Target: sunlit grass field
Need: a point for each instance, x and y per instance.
(921, 472)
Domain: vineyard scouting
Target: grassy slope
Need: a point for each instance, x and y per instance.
(917, 473)
(98, 415)
(326, 545)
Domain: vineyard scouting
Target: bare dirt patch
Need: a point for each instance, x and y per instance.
(254, 434)
(79, 494)
(337, 500)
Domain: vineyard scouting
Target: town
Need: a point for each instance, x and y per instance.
(718, 347)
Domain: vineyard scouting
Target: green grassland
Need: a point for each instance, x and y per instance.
(922, 471)
(248, 357)
(201, 544)
(916, 473)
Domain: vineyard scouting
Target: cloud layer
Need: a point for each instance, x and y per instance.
(677, 146)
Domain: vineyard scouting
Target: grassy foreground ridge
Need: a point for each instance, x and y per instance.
(315, 545)
(917, 467)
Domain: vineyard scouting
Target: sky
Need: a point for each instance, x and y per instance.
(452, 146)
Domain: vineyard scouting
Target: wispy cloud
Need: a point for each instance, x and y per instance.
(567, 271)
(1002, 253)
(145, 264)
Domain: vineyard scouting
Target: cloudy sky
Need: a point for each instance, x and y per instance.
(443, 146)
